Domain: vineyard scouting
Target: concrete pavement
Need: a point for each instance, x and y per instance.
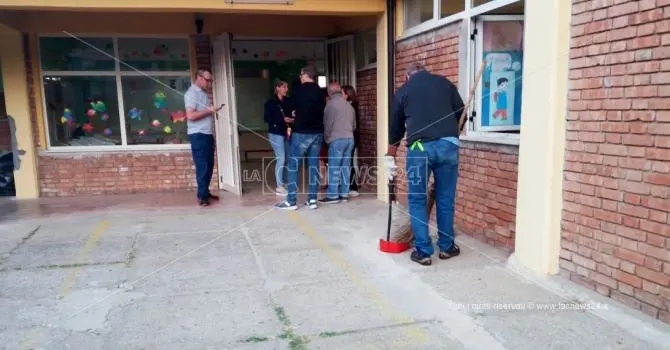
(252, 277)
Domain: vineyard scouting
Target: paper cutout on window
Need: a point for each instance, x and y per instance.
(90, 113)
(104, 117)
(160, 50)
(67, 116)
(88, 127)
(108, 131)
(159, 100)
(167, 129)
(156, 123)
(135, 114)
(141, 132)
(178, 116)
(99, 106)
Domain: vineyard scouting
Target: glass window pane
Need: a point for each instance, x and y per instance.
(154, 109)
(154, 54)
(450, 7)
(476, 3)
(82, 111)
(501, 79)
(80, 54)
(371, 46)
(417, 12)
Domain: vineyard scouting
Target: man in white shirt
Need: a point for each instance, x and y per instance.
(199, 115)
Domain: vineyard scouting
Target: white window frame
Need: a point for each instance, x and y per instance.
(365, 55)
(467, 70)
(118, 74)
(480, 130)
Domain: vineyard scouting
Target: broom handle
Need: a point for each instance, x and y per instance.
(388, 225)
(461, 120)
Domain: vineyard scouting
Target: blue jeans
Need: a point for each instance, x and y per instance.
(441, 158)
(304, 145)
(339, 167)
(280, 147)
(202, 149)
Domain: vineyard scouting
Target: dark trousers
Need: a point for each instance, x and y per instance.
(202, 148)
(353, 179)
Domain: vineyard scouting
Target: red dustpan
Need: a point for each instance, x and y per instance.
(389, 246)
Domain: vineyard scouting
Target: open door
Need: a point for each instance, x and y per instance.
(227, 143)
(341, 60)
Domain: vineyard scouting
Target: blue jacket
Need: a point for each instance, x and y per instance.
(273, 115)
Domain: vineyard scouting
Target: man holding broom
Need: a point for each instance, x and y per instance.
(428, 107)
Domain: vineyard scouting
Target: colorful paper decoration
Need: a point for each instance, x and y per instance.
(67, 116)
(108, 131)
(160, 100)
(178, 116)
(156, 123)
(88, 127)
(141, 132)
(135, 114)
(99, 106)
(160, 50)
(167, 129)
(90, 113)
(104, 117)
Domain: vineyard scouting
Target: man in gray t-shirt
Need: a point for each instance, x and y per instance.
(199, 113)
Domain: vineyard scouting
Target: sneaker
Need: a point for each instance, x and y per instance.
(454, 251)
(354, 194)
(421, 258)
(213, 197)
(281, 190)
(326, 200)
(311, 204)
(286, 206)
(203, 203)
(344, 199)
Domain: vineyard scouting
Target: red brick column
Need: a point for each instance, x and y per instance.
(616, 222)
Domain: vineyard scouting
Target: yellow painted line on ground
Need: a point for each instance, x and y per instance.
(32, 338)
(71, 279)
(414, 334)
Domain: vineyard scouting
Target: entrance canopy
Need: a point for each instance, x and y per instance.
(325, 7)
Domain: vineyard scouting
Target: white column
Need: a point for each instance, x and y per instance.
(542, 145)
(382, 105)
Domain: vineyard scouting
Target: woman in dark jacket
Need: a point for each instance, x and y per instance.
(277, 115)
(350, 95)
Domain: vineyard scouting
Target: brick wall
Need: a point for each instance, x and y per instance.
(124, 171)
(366, 88)
(5, 136)
(616, 222)
(486, 194)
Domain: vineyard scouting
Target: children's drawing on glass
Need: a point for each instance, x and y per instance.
(501, 79)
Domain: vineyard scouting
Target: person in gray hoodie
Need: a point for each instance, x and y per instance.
(339, 123)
